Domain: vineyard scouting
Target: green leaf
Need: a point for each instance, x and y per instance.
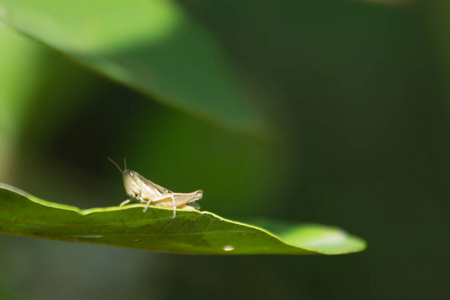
(191, 232)
(151, 46)
(18, 56)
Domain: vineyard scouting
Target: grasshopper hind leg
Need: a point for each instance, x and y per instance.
(155, 201)
(174, 207)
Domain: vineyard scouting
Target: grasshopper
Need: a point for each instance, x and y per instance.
(145, 191)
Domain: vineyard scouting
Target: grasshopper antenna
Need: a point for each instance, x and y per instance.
(116, 165)
(125, 163)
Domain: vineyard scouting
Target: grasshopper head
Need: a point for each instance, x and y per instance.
(132, 182)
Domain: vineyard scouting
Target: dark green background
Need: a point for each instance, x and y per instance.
(357, 94)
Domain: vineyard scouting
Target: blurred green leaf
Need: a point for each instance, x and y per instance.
(151, 46)
(191, 232)
(19, 59)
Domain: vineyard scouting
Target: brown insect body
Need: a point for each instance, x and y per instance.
(145, 191)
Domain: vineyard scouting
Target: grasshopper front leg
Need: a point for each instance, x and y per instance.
(125, 202)
(148, 204)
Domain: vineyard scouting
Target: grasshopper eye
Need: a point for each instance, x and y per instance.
(131, 174)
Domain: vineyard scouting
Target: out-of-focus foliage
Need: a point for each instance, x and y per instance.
(360, 96)
(151, 46)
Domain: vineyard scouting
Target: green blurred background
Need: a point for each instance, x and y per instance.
(355, 96)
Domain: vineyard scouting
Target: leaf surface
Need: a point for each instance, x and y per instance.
(191, 232)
